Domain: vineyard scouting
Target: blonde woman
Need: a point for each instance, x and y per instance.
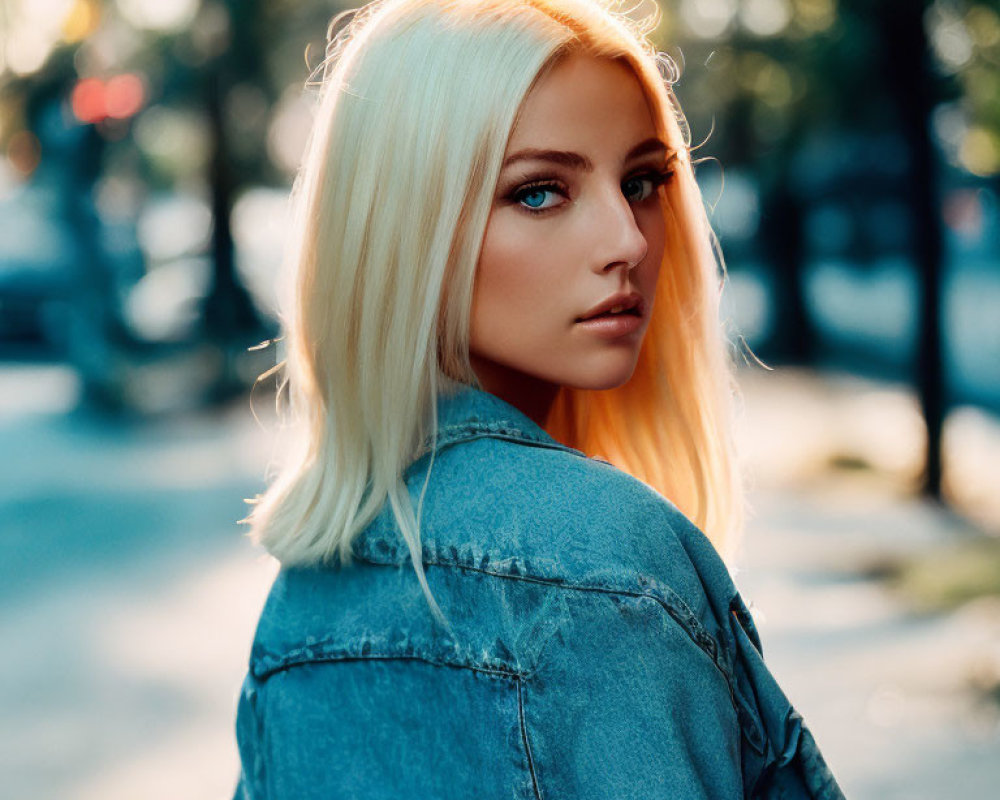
(504, 538)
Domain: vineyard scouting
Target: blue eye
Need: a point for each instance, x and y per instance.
(640, 187)
(537, 198)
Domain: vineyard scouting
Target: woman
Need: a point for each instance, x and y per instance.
(505, 355)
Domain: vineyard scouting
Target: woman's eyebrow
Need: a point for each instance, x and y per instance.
(568, 158)
(645, 148)
(564, 157)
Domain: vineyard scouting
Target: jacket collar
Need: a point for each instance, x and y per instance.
(465, 412)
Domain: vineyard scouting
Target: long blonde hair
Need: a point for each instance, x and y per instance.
(416, 104)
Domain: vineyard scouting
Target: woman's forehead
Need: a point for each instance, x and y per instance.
(581, 102)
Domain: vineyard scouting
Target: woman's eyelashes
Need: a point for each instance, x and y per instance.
(640, 187)
(540, 196)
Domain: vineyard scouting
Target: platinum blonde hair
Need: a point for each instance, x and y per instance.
(416, 105)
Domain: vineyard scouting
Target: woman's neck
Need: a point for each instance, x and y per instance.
(532, 396)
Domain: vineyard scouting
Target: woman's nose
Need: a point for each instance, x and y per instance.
(620, 241)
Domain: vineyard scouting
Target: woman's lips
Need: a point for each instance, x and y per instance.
(612, 325)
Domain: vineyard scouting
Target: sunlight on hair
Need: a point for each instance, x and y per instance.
(371, 341)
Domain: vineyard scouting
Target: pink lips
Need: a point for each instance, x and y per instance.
(612, 326)
(630, 301)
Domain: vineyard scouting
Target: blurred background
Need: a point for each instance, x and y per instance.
(850, 157)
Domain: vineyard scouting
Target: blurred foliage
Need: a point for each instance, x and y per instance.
(759, 74)
(798, 99)
(966, 39)
(174, 46)
(948, 577)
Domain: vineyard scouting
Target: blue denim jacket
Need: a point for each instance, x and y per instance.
(600, 648)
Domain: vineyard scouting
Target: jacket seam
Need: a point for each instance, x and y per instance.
(524, 739)
(680, 613)
(465, 432)
(677, 609)
(267, 663)
(314, 655)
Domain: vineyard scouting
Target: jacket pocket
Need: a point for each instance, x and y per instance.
(388, 726)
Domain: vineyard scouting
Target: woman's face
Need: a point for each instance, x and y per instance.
(576, 220)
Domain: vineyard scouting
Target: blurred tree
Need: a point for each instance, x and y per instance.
(769, 78)
(912, 82)
(778, 72)
(230, 319)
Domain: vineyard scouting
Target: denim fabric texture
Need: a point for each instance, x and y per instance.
(600, 647)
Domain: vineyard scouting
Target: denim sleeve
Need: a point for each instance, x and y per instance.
(250, 781)
(626, 704)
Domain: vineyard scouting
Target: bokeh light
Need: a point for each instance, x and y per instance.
(815, 16)
(24, 151)
(88, 101)
(708, 19)
(159, 15)
(291, 121)
(983, 24)
(176, 141)
(81, 20)
(980, 152)
(765, 17)
(35, 27)
(949, 37)
(124, 95)
(94, 100)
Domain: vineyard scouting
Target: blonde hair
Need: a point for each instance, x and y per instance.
(417, 101)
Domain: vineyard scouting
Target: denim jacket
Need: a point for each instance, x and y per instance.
(599, 647)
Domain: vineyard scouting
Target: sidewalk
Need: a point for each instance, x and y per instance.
(135, 596)
(894, 699)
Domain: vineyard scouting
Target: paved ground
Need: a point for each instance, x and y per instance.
(128, 595)
(890, 696)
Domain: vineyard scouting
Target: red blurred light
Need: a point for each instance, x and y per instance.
(123, 95)
(119, 98)
(89, 100)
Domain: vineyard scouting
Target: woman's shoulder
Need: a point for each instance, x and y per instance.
(556, 571)
(507, 506)
(504, 525)
(509, 516)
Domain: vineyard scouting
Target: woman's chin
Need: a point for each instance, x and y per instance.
(607, 377)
